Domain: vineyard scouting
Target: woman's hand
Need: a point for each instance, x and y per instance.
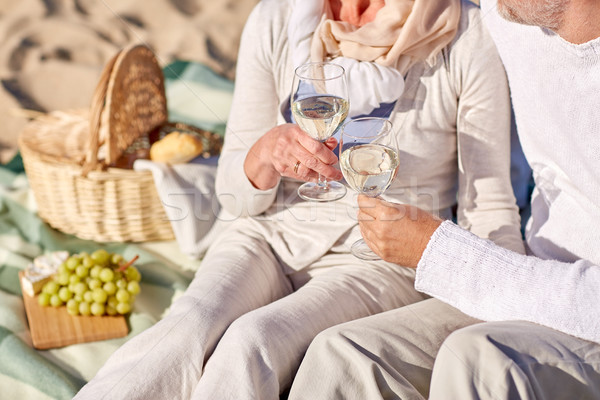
(278, 151)
(397, 233)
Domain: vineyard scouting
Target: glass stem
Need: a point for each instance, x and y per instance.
(323, 183)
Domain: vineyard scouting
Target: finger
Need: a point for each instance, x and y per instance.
(311, 164)
(368, 236)
(288, 154)
(308, 167)
(369, 205)
(304, 173)
(319, 150)
(364, 217)
(331, 143)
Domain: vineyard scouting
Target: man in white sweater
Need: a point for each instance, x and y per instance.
(542, 335)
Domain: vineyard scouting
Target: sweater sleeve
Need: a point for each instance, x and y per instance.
(491, 283)
(253, 112)
(486, 203)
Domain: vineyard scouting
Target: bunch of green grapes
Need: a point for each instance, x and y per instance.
(100, 283)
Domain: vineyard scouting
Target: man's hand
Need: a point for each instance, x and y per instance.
(397, 233)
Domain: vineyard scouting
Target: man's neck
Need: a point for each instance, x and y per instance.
(581, 22)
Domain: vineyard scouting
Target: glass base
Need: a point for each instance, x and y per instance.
(314, 192)
(360, 250)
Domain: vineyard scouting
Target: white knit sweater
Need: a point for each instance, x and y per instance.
(555, 88)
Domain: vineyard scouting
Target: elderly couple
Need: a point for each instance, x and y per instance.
(461, 310)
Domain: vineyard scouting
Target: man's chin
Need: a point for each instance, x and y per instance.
(548, 15)
(509, 14)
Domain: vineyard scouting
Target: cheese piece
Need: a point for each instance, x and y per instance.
(32, 283)
(41, 271)
(50, 262)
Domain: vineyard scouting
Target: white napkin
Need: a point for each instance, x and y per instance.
(187, 192)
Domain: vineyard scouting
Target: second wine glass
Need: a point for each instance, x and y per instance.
(319, 103)
(369, 161)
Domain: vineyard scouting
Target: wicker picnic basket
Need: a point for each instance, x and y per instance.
(72, 158)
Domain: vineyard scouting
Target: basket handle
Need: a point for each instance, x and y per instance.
(98, 101)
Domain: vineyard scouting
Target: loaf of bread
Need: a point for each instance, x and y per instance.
(176, 148)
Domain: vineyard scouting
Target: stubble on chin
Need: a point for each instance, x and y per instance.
(545, 13)
(508, 13)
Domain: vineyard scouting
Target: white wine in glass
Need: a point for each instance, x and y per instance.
(319, 103)
(369, 161)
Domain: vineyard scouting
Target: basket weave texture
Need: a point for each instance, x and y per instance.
(69, 156)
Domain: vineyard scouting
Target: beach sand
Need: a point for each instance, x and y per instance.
(52, 51)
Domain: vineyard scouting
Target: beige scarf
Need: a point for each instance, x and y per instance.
(402, 33)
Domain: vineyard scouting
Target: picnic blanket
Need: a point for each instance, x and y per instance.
(195, 95)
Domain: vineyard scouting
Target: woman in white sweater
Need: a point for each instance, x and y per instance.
(282, 271)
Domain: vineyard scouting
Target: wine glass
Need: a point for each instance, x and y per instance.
(319, 104)
(369, 161)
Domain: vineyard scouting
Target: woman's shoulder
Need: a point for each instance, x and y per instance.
(472, 38)
(274, 7)
(471, 32)
(472, 57)
(270, 14)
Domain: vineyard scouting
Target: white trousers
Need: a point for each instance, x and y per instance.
(516, 360)
(411, 353)
(241, 328)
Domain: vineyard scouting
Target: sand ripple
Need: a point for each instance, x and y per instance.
(52, 51)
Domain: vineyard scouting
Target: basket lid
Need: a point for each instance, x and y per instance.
(129, 102)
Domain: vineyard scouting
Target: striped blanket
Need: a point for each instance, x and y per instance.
(27, 373)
